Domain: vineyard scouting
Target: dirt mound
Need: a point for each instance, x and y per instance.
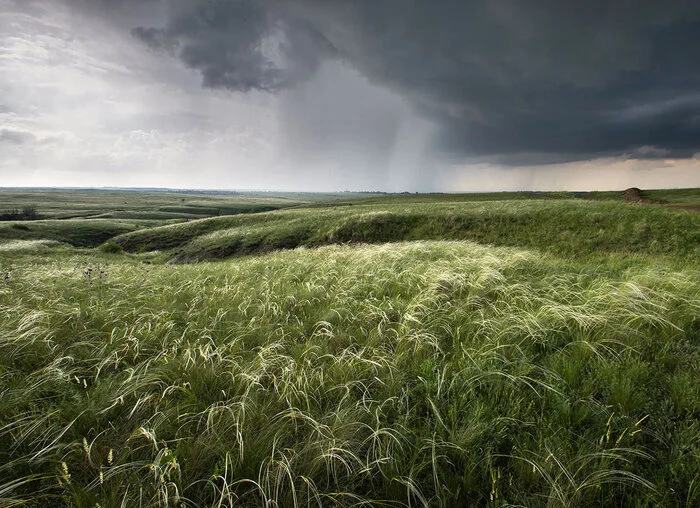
(634, 195)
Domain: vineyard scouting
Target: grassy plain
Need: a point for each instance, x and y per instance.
(89, 217)
(556, 362)
(129, 204)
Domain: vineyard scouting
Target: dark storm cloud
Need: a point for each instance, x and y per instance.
(240, 44)
(510, 80)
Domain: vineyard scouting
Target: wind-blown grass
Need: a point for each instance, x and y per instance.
(424, 373)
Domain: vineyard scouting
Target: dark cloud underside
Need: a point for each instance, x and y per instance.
(568, 80)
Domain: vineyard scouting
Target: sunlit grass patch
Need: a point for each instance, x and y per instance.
(27, 245)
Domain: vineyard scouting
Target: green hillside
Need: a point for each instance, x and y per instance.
(566, 227)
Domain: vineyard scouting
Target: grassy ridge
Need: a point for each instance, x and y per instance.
(690, 197)
(440, 373)
(564, 227)
(222, 210)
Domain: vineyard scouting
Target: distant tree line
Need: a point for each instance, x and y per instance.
(26, 213)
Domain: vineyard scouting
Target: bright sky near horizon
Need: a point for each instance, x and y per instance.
(398, 95)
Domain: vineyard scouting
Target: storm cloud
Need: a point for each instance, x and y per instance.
(505, 81)
(323, 95)
(240, 44)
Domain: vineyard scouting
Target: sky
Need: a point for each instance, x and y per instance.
(333, 95)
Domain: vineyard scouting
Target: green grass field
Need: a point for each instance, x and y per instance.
(386, 351)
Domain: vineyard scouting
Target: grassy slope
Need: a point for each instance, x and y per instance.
(440, 372)
(565, 227)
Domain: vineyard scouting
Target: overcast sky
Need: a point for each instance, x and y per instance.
(394, 95)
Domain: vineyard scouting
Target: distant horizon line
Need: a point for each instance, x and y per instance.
(229, 191)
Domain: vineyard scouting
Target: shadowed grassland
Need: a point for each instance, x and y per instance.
(424, 373)
(76, 232)
(563, 227)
